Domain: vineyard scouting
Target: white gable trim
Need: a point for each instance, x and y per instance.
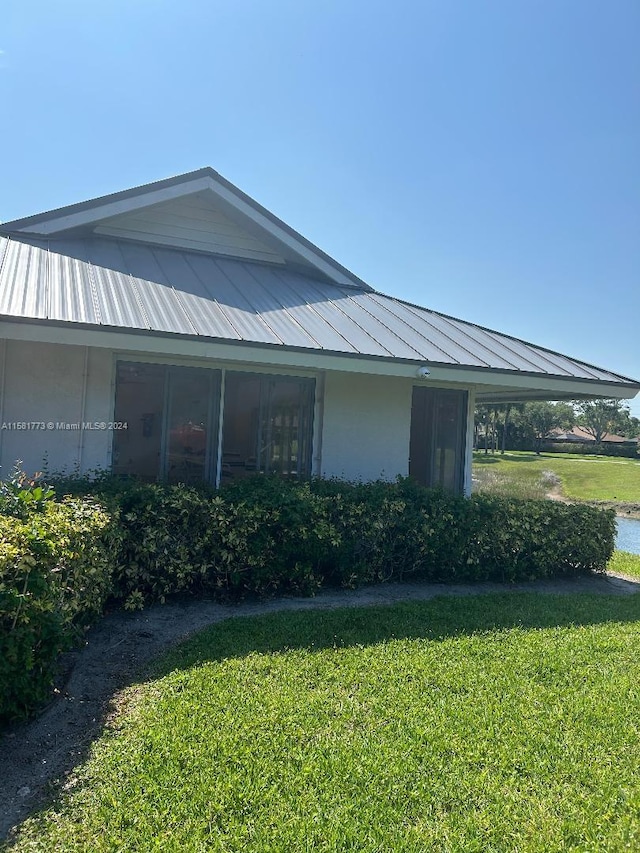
(231, 199)
(94, 214)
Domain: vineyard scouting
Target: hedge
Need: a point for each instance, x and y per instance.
(585, 448)
(265, 535)
(56, 567)
(61, 560)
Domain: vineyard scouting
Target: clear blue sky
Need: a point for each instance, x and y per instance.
(478, 158)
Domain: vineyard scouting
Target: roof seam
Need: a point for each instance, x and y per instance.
(412, 309)
(384, 326)
(315, 311)
(176, 295)
(419, 333)
(536, 347)
(477, 341)
(284, 308)
(251, 308)
(212, 297)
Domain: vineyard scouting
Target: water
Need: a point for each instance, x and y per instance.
(628, 538)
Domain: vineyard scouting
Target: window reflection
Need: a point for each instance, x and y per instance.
(140, 394)
(267, 426)
(172, 419)
(438, 426)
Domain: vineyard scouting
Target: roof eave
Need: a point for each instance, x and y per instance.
(501, 385)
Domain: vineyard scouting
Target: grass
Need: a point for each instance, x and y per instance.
(625, 563)
(587, 478)
(493, 723)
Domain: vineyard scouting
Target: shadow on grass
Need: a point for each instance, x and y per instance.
(480, 459)
(434, 620)
(119, 659)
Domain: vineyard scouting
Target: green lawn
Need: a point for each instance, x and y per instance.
(589, 478)
(493, 723)
(625, 563)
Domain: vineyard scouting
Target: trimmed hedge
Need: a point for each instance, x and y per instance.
(585, 448)
(61, 561)
(56, 568)
(266, 535)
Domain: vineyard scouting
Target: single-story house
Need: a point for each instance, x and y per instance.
(181, 331)
(578, 434)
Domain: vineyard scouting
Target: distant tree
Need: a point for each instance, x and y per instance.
(507, 409)
(599, 417)
(628, 425)
(519, 425)
(543, 417)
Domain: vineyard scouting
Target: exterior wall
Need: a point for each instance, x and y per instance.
(361, 431)
(54, 384)
(366, 427)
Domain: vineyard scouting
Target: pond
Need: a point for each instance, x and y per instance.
(628, 538)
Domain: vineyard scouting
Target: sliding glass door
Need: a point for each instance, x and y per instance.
(172, 416)
(171, 422)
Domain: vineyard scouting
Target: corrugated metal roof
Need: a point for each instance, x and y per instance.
(122, 284)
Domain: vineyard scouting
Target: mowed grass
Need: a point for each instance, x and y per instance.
(588, 478)
(491, 723)
(625, 563)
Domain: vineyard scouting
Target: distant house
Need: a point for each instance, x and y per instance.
(180, 331)
(577, 434)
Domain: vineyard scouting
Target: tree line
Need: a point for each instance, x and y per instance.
(526, 426)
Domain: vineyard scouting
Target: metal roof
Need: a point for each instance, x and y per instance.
(121, 284)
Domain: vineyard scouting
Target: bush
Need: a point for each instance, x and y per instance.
(628, 451)
(265, 535)
(60, 560)
(56, 564)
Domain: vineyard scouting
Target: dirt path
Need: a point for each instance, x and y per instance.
(35, 758)
(622, 509)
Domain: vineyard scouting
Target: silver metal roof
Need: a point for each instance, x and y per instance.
(126, 285)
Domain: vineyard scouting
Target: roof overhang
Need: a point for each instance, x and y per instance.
(490, 385)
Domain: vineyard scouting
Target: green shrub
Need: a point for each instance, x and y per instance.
(56, 566)
(265, 535)
(61, 560)
(589, 448)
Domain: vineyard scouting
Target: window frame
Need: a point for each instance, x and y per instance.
(213, 465)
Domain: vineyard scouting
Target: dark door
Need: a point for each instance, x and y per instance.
(437, 442)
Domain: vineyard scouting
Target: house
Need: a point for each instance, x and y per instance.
(180, 331)
(581, 435)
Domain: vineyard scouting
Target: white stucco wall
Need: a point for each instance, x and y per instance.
(366, 426)
(362, 422)
(54, 384)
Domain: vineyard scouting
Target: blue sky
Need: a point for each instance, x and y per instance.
(478, 158)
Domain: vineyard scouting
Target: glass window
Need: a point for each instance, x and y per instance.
(140, 395)
(437, 445)
(267, 425)
(171, 420)
(190, 427)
